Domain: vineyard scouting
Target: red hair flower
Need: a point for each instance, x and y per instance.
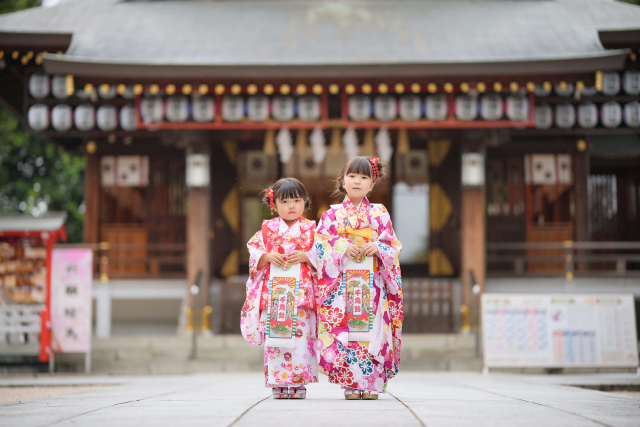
(374, 164)
(270, 197)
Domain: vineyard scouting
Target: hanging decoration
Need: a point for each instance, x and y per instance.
(350, 143)
(383, 144)
(318, 146)
(285, 145)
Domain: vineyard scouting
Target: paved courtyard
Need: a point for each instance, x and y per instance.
(238, 399)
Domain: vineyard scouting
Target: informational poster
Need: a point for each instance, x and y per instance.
(559, 330)
(71, 277)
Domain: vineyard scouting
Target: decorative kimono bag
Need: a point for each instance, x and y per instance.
(357, 286)
(282, 312)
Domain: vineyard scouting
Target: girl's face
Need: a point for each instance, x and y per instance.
(290, 209)
(357, 185)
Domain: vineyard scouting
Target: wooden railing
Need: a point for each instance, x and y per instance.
(567, 258)
(160, 260)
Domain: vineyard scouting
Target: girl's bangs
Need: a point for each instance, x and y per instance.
(291, 190)
(360, 165)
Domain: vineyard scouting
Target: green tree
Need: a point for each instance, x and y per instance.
(7, 6)
(37, 176)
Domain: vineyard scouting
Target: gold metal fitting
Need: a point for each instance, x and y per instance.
(219, 89)
(88, 88)
(91, 147)
(350, 89)
(481, 87)
(366, 88)
(154, 89)
(497, 86)
(252, 89)
(399, 88)
(268, 89)
(203, 89)
(464, 87)
(334, 89)
(301, 89)
(383, 88)
(415, 87)
(448, 87)
(236, 89)
(285, 89)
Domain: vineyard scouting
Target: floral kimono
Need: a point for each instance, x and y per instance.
(362, 365)
(283, 367)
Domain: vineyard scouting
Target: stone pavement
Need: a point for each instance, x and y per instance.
(415, 399)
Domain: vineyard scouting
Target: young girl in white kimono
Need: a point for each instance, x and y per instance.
(353, 229)
(288, 238)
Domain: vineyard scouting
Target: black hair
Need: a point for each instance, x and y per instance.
(360, 165)
(287, 188)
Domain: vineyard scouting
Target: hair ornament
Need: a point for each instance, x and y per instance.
(271, 202)
(374, 164)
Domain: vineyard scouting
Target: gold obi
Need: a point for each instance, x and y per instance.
(360, 237)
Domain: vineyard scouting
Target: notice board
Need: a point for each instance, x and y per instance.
(559, 330)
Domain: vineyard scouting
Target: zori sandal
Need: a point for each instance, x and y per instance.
(297, 392)
(351, 394)
(369, 395)
(280, 393)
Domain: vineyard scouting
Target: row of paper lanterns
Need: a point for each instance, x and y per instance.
(612, 83)
(491, 106)
(257, 108)
(84, 117)
(41, 85)
(587, 114)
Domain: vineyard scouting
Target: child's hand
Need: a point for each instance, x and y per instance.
(370, 249)
(298, 257)
(276, 258)
(353, 251)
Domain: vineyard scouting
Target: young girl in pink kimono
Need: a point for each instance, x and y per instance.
(288, 238)
(348, 230)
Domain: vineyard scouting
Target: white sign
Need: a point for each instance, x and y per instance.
(437, 107)
(559, 330)
(62, 117)
(132, 171)
(258, 108)
(385, 108)
(282, 108)
(71, 279)
(410, 107)
(309, 108)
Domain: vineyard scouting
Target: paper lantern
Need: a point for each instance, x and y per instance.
(436, 107)
(564, 90)
(632, 114)
(59, 86)
(258, 108)
(62, 117)
(410, 108)
(466, 107)
(84, 117)
(631, 82)
(589, 91)
(309, 108)
(282, 108)
(565, 115)
(385, 108)
(39, 85)
(151, 109)
(107, 117)
(128, 118)
(517, 107)
(177, 108)
(232, 108)
(82, 94)
(543, 116)
(542, 90)
(129, 92)
(472, 170)
(108, 171)
(38, 117)
(587, 115)
(198, 170)
(203, 108)
(359, 108)
(611, 83)
(109, 94)
(611, 114)
(491, 106)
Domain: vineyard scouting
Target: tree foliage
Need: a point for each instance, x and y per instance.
(37, 176)
(7, 6)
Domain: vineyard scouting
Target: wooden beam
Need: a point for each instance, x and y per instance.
(92, 199)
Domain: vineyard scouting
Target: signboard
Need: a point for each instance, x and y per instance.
(71, 277)
(559, 330)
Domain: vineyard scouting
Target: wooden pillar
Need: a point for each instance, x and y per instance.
(473, 247)
(198, 209)
(581, 170)
(91, 232)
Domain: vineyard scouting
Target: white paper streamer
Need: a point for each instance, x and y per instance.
(383, 144)
(285, 145)
(318, 147)
(350, 143)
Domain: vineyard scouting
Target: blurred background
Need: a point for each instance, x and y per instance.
(510, 130)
